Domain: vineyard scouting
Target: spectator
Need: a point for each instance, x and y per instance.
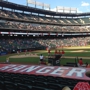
(66, 88)
(80, 62)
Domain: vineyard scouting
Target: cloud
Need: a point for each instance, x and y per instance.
(85, 4)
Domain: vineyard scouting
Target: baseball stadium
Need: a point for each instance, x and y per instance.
(42, 49)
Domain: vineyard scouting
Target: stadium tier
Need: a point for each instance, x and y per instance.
(24, 27)
(10, 45)
(30, 17)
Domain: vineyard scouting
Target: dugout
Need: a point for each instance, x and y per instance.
(54, 60)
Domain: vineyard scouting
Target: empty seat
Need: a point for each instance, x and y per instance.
(17, 80)
(29, 82)
(41, 84)
(1, 78)
(23, 87)
(39, 88)
(42, 79)
(54, 86)
(1, 85)
(8, 78)
(10, 86)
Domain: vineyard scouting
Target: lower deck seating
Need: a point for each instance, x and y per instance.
(16, 81)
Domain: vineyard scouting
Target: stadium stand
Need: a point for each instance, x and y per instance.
(10, 45)
(34, 82)
(13, 21)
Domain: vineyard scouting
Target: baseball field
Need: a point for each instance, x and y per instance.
(33, 58)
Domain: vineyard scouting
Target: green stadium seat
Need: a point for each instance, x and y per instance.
(17, 80)
(29, 82)
(8, 78)
(1, 85)
(40, 88)
(41, 84)
(54, 86)
(23, 87)
(10, 86)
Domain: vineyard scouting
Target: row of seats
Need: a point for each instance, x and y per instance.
(24, 81)
(13, 86)
(23, 16)
(38, 27)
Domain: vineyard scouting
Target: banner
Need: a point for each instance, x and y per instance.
(31, 2)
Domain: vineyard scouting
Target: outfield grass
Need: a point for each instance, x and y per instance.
(35, 60)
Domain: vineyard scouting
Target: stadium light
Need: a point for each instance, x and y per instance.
(66, 9)
(43, 5)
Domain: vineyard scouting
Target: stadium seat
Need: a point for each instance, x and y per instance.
(39, 88)
(41, 84)
(23, 87)
(29, 82)
(17, 80)
(54, 86)
(1, 85)
(8, 78)
(1, 78)
(10, 86)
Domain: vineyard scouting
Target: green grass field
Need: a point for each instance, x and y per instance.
(81, 52)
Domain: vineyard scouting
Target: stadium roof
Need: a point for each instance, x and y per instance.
(36, 10)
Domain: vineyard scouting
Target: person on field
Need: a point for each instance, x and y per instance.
(41, 58)
(25, 52)
(18, 52)
(80, 62)
(7, 60)
(63, 54)
(59, 52)
(49, 52)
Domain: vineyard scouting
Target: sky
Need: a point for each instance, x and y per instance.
(81, 5)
